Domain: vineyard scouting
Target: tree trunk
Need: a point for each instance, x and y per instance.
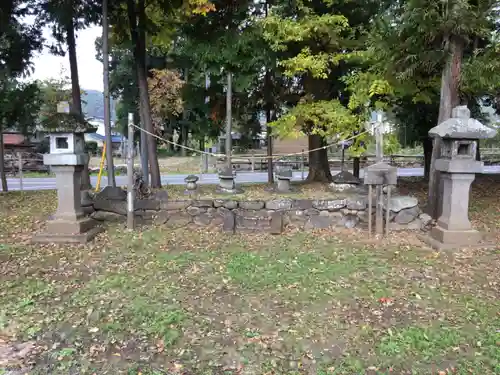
(76, 97)
(229, 121)
(427, 157)
(355, 166)
(184, 129)
(137, 25)
(3, 177)
(144, 150)
(319, 169)
(449, 99)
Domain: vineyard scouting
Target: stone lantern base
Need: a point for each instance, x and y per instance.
(69, 224)
(442, 239)
(58, 231)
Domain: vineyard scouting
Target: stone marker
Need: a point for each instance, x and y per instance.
(458, 166)
(284, 176)
(66, 158)
(226, 182)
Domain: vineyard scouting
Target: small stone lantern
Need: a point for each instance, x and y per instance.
(191, 181)
(458, 166)
(66, 158)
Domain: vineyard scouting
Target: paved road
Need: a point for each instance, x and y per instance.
(47, 183)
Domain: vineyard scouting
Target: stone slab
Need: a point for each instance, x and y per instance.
(64, 227)
(436, 245)
(82, 238)
(456, 238)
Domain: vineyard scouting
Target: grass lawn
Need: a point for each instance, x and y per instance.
(189, 301)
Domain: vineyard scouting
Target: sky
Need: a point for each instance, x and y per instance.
(89, 69)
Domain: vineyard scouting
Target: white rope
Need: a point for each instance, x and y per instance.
(258, 157)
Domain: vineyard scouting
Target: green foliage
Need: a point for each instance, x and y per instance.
(18, 41)
(325, 118)
(391, 144)
(13, 115)
(91, 147)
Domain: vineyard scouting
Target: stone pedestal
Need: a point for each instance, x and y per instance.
(284, 176)
(69, 225)
(283, 184)
(226, 182)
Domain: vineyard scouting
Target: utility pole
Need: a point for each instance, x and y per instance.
(107, 104)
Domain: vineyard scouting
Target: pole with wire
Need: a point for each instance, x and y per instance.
(130, 173)
(107, 104)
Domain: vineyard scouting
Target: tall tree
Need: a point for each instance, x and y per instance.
(18, 42)
(318, 43)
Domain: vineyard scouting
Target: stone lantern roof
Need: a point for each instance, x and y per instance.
(462, 126)
(67, 123)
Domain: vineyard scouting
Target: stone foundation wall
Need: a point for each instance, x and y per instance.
(270, 216)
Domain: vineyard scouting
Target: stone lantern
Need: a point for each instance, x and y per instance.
(66, 158)
(458, 166)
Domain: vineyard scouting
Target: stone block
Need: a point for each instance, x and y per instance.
(252, 214)
(357, 203)
(116, 206)
(302, 204)
(399, 203)
(230, 205)
(350, 221)
(68, 227)
(218, 203)
(276, 222)
(108, 216)
(229, 223)
(193, 211)
(111, 193)
(311, 212)
(86, 199)
(80, 238)
(175, 205)
(318, 222)
(330, 205)
(407, 215)
(205, 203)
(251, 205)
(279, 204)
(202, 220)
(160, 196)
(147, 204)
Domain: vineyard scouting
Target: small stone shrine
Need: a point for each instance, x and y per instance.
(284, 176)
(458, 166)
(191, 185)
(67, 157)
(226, 184)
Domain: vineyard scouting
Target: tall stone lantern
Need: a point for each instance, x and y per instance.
(66, 158)
(458, 166)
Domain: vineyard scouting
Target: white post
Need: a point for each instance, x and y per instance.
(130, 173)
(20, 166)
